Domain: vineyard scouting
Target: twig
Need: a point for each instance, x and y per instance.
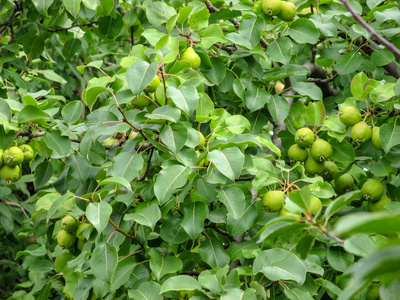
(17, 205)
(67, 28)
(148, 166)
(214, 227)
(10, 21)
(325, 80)
(126, 234)
(380, 38)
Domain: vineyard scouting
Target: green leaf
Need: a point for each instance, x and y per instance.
(251, 29)
(304, 31)
(237, 124)
(159, 12)
(110, 26)
(341, 201)
(343, 152)
(212, 34)
(168, 180)
(228, 161)
(348, 63)
(238, 294)
(122, 273)
(365, 222)
(328, 285)
(146, 291)
(381, 57)
(43, 173)
(42, 5)
(217, 72)
(256, 98)
(213, 279)
(278, 107)
(57, 142)
(174, 136)
(357, 85)
(105, 7)
(304, 246)
(279, 50)
(72, 112)
(199, 19)
(98, 213)
(117, 180)
(148, 216)
(5, 111)
(234, 200)
(389, 135)
(180, 283)
(193, 221)
(139, 75)
(90, 95)
(185, 97)
(71, 47)
(213, 253)
(244, 222)
(339, 259)
(166, 112)
(126, 165)
(32, 114)
(308, 89)
(104, 261)
(279, 264)
(72, 6)
(163, 264)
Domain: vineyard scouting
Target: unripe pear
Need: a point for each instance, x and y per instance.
(288, 11)
(202, 141)
(372, 190)
(81, 228)
(1, 157)
(375, 138)
(380, 204)
(13, 156)
(361, 132)
(344, 183)
(330, 169)
(315, 205)
(257, 8)
(80, 244)
(69, 224)
(349, 115)
(304, 137)
(314, 167)
(142, 101)
(297, 153)
(65, 239)
(285, 213)
(272, 7)
(152, 87)
(28, 152)
(10, 173)
(273, 200)
(321, 150)
(191, 57)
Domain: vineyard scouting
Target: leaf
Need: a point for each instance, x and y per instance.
(357, 85)
(256, 97)
(213, 279)
(304, 31)
(122, 273)
(341, 201)
(193, 218)
(166, 112)
(139, 75)
(278, 107)
(72, 112)
(90, 95)
(185, 97)
(105, 7)
(365, 222)
(104, 261)
(228, 161)
(126, 165)
(168, 180)
(117, 180)
(174, 136)
(279, 50)
(328, 285)
(43, 173)
(251, 29)
(304, 246)
(339, 259)
(42, 5)
(348, 63)
(279, 264)
(234, 200)
(110, 26)
(32, 114)
(308, 89)
(180, 283)
(217, 72)
(72, 6)
(148, 216)
(212, 34)
(159, 12)
(98, 214)
(213, 253)
(146, 291)
(163, 264)
(55, 141)
(389, 135)
(244, 223)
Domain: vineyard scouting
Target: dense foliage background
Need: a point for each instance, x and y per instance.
(167, 222)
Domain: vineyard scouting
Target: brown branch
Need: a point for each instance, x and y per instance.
(148, 166)
(371, 31)
(10, 22)
(126, 234)
(77, 25)
(17, 205)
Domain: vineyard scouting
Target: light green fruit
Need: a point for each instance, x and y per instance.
(315, 205)
(152, 87)
(273, 200)
(349, 115)
(28, 152)
(304, 137)
(110, 141)
(10, 173)
(272, 7)
(330, 169)
(344, 183)
(314, 167)
(80, 244)
(321, 150)
(191, 57)
(159, 95)
(61, 260)
(375, 138)
(69, 224)
(202, 141)
(142, 101)
(184, 295)
(257, 8)
(65, 239)
(373, 292)
(361, 132)
(297, 153)
(285, 213)
(204, 162)
(1, 157)
(380, 204)
(372, 190)
(152, 106)
(81, 228)
(13, 156)
(288, 11)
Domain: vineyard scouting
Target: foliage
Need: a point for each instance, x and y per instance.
(161, 216)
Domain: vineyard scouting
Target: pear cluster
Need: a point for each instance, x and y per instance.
(11, 161)
(71, 234)
(145, 100)
(284, 10)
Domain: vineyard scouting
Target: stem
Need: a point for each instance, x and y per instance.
(124, 233)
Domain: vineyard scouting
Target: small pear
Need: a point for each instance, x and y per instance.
(191, 57)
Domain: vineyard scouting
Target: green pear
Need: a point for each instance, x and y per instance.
(191, 57)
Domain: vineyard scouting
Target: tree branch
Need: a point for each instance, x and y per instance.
(9, 23)
(126, 234)
(67, 28)
(372, 31)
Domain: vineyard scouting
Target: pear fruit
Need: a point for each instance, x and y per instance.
(380, 204)
(1, 157)
(330, 169)
(202, 141)
(65, 239)
(361, 132)
(372, 190)
(288, 11)
(28, 152)
(141, 102)
(13, 156)
(273, 200)
(314, 167)
(296, 153)
(272, 7)
(304, 137)
(152, 87)
(10, 173)
(285, 213)
(81, 228)
(321, 150)
(349, 115)
(191, 57)
(375, 138)
(69, 224)
(344, 183)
